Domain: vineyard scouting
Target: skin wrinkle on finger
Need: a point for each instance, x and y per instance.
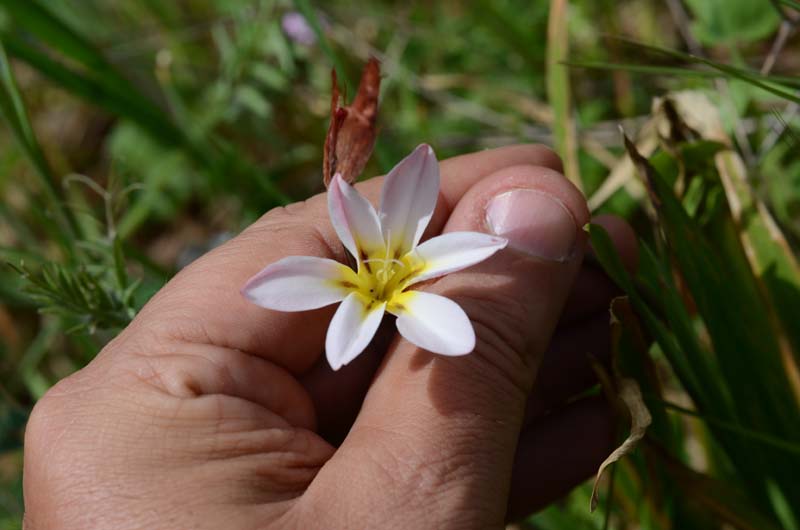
(209, 370)
(188, 370)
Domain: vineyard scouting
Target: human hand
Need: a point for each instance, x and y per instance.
(209, 412)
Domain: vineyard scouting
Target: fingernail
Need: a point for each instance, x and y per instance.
(534, 222)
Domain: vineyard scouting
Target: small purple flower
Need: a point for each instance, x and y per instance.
(298, 29)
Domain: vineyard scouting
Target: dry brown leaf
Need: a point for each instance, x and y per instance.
(631, 396)
(351, 134)
(623, 174)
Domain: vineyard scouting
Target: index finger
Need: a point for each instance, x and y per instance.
(202, 304)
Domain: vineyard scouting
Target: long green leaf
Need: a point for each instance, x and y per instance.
(748, 76)
(559, 90)
(768, 253)
(765, 438)
(127, 105)
(677, 71)
(716, 496)
(13, 108)
(704, 389)
(743, 337)
(211, 155)
(794, 4)
(39, 21)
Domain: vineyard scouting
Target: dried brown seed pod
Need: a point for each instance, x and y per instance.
(351, 134)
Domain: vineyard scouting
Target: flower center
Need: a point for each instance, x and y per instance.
(383, 278)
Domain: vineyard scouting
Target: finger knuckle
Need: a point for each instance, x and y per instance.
(301, 224)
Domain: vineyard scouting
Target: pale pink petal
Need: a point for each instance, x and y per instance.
(299, 283)
(433, 323)
(454, 251)
(408, 198)
(354, 220)
(351, 329)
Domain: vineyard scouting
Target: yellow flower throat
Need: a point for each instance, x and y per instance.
(383, 279)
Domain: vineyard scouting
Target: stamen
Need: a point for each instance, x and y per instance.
(384, 261)
(387, 273)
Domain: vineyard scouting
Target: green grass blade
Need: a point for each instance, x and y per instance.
(676, 71)
(748, 76)
(677, 338)
(765, 438)
(13, 109)
(209, 155)
(36, 19)
(100, 84)
(772, 261)
(687, 358)
(643, 69)
(743, 337)
(558, 90)
(716, 496)
(723, 305)
(128, 105)
(100, 77)
(794, 4)
(681, 351)
(773, 84)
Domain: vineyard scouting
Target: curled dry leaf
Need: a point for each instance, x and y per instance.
(351, 134)
(631, 397)
(623, 392)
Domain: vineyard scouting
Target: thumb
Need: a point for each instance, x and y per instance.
(434, 443)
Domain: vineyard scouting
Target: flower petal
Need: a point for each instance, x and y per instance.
(434, 323)
(452, 252)
(354, 220)
(299, 283)
(407, 200)
(351, 329)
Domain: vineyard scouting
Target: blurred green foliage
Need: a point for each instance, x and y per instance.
(731, 22)
(138, 134)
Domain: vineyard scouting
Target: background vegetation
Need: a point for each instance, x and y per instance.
(138, 133)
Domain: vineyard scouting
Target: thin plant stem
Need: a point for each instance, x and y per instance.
(764, 438)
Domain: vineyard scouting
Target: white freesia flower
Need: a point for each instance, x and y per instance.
(385, 245)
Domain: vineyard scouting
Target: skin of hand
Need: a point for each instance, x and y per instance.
(210, 412)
